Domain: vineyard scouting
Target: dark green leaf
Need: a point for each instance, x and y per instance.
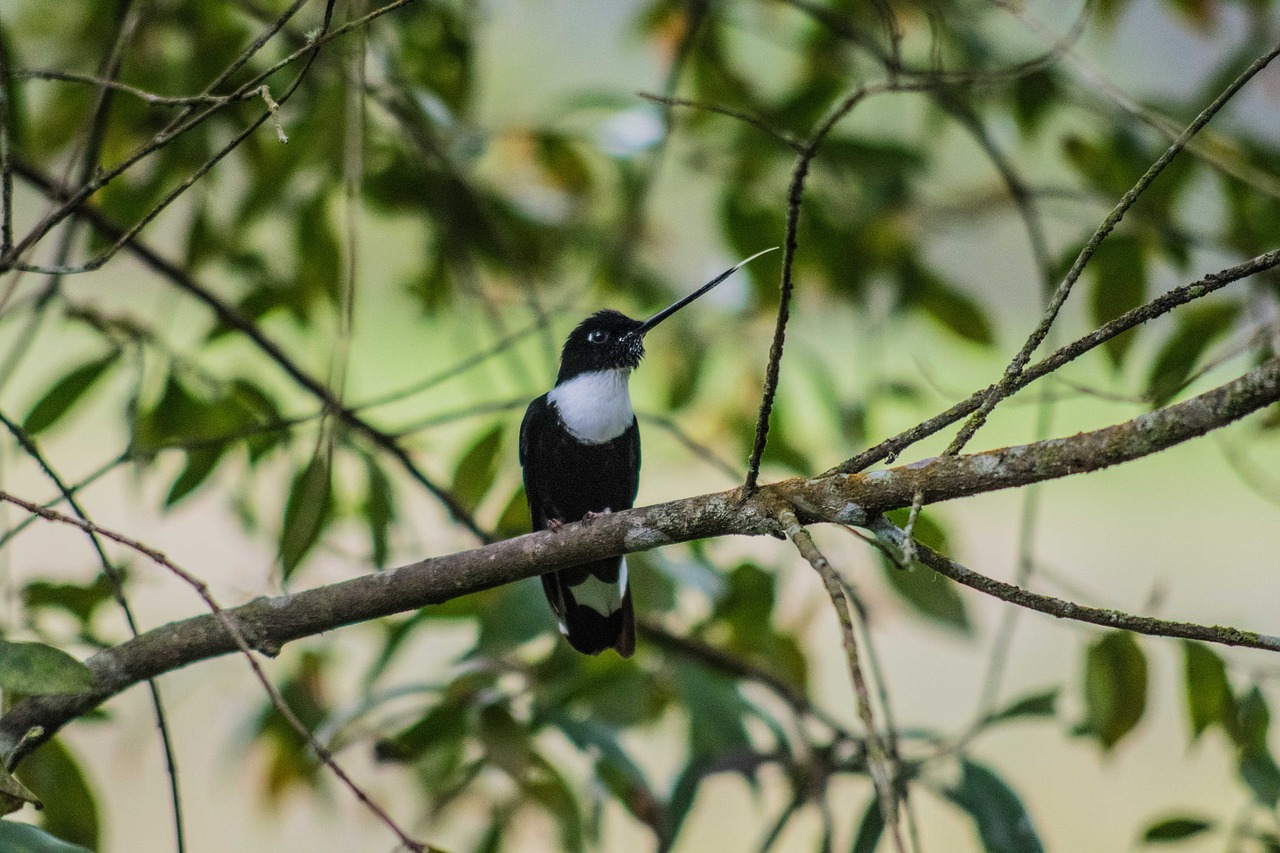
(24, 838)
(443, 727)
(1175, 829)
(870, 829)
(379, 509)
(59, 399)
(514, 519)
(34, 668)
(1209, 699)
(955, 310)
(1198, 327)
(1115, 688)
(1258, 768)
(1119, 271)
(1252, 720)
(506, 742)
(548, 788)
(70, 810)
(79, 601)
(624, 778)
(318, 254)
(1259, 771)
(928, 593)
(290, 764)
(1034, 96)
(477, 469)
(1003, 822)
(1042, 704)
(13, 795)
(306, 513)
(716, 711)
(200, 464)
(511, 616)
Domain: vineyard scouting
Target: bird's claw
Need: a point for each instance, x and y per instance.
(592, 516)
(554, 524)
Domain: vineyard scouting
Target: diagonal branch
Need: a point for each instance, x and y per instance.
(229, 316)
(268, 623)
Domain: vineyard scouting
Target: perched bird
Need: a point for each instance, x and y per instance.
(580, 450)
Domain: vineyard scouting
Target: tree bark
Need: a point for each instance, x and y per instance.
(850, 499)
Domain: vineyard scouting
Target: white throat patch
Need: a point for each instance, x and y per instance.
(596, 406)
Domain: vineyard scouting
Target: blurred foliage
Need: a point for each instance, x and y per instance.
(500, 223)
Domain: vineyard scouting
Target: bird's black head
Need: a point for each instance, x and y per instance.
(610, 340)
(604, 341)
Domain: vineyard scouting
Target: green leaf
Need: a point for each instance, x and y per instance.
(870, 829)
(442, 728)
(1175, 829)
(928, 593)
(939, 299)
(1042, 704)
(614, 767)
(716, 711)
(514, 518)
(201, 461)
(511, 616)
(1198, 327)
(957, 311)
(1119, 271)
(79, 601)
(1115, 688)
(506, 742)
(1259, 771)
(14, 795)
(306, 513)
(1258, 768)
(477, 469)
(1209, 699)
(379, 509)
(70, 810)
(1252, 720)
(59, 399)
(34, 669)
(1003, 822)
(1034, 96)
(24, 838)
(549, 789)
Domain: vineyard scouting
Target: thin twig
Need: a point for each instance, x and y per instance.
(242, 644)
(1064, 609)
(116, 580)
(758, 123)
(125, 88)
(231, 317)
(1006, 385)
(878, 763)
(889, 449)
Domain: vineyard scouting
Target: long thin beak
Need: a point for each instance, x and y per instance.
(671, 309)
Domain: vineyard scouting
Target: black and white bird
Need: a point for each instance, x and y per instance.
(580, 450)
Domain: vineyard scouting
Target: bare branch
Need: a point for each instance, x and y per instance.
(883, 774)
(858, 499)
(241, 644)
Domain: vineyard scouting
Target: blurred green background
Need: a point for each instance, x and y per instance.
(462, 183)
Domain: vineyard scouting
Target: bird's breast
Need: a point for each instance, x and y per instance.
(595, 407)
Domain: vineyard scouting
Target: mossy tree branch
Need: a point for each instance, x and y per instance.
(856, 499)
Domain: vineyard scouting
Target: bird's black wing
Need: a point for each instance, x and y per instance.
(535, 433)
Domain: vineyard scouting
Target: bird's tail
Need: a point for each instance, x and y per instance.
(593, 604)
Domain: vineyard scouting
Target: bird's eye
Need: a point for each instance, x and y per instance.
(598, 336)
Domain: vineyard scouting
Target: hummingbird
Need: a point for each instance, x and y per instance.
(580, 451)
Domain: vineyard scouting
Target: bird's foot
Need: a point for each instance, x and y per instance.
(554, 524)
(592, 516)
